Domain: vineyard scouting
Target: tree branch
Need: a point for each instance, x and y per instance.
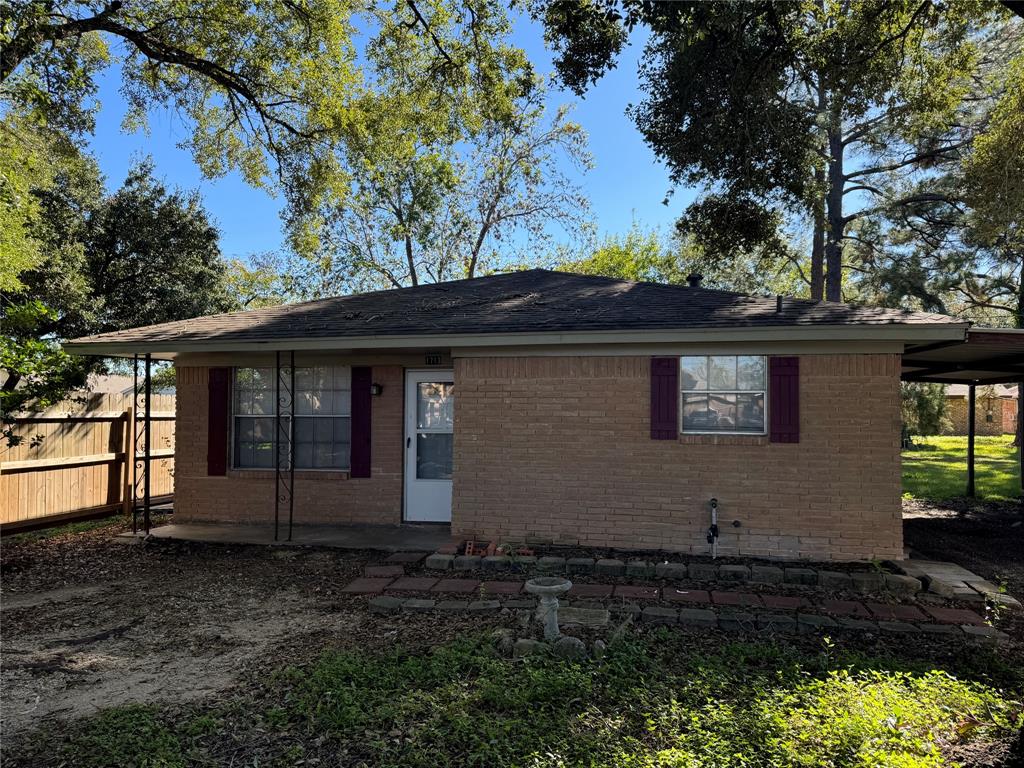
(26, 42)
(931, 154)
(426, 28)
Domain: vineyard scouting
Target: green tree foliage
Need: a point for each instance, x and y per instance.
(267, 88)
(31, 158)
(641, 255)
(434, 179)
(994, 192)
(994, 169)
(141, 255)
(262, 280)
(645, 255)
(36, 371)
(408, 138)
(923, 407)
(152, 255)
(960, 248)
(254, 78)
(796, 105)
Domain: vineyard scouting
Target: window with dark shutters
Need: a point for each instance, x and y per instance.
(784, 399)
(664, 398)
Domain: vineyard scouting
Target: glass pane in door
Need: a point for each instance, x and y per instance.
(434, 456)
(434, 401)
(434, 424)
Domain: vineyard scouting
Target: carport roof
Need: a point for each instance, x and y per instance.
(986, 356)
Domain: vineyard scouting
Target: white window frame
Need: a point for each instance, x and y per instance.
(683, 392)
(291, 423)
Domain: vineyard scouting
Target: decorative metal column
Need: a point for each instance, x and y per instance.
(284, 436)
(141, 442)
(971, 403)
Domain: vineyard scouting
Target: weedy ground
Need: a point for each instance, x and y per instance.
(130, 655)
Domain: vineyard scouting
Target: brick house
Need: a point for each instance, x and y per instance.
(545, 406)
(995, 410)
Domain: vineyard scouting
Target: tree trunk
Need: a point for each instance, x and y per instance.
(818, 243)
(834, 213)
(1020, 294)
(410, 260)
(474, 256)
(818, 209)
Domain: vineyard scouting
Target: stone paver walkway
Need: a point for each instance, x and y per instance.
(955, 581)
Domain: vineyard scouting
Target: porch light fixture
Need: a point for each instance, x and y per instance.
(376, 389)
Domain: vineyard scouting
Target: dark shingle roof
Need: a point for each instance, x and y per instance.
(533, 301)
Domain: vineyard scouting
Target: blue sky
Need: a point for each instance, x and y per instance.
(626, 184)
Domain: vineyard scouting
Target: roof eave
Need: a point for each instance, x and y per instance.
(903, 332)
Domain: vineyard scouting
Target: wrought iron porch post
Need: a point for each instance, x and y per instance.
(284, 435)
(277, 440)
(130, 461)
(142, 455)
(971, 401)
(291, 446)
(147, 428)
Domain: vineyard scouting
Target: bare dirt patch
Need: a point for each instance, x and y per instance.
(90, 623)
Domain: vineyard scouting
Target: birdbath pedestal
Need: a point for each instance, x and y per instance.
(548, 588)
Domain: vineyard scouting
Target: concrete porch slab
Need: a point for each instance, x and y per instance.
(954, 581)
(387, 538)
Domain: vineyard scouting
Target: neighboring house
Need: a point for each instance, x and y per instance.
(110, 384)
(119, 384)
(545, 406)
(995, 409)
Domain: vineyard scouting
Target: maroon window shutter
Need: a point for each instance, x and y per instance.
(664, 398)
(362, 403)
(217, 422)
(784, 399)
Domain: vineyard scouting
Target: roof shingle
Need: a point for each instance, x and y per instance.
(531, 301)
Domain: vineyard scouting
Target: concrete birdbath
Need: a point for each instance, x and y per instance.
(548, 588)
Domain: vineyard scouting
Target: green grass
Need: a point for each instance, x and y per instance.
(936, 468)
(656, 701)
(125, 736)
(68, 529)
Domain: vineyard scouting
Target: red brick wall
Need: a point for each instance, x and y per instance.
(1009, 417)
(320, 497)
(558, 449)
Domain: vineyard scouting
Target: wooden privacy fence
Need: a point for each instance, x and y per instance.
(76, 459)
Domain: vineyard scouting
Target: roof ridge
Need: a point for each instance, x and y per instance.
(627, 281)
(519, 301)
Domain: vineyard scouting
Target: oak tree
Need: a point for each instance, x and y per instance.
(796, 105)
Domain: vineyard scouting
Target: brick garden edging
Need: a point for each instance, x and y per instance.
(866, 582)
(473, 585)
(886, 619)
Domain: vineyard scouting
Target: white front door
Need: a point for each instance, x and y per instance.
(429, 422)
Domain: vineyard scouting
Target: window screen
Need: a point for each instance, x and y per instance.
(723, 393)
(320, 429)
